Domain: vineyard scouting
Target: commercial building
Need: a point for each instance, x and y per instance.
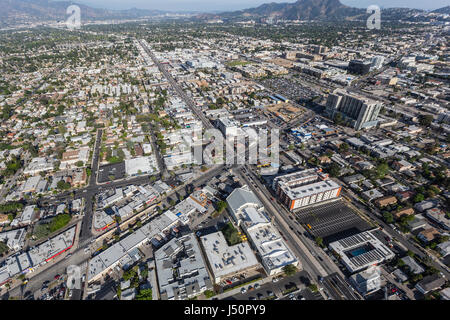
(37, 256)
(122, 253)
(141, 165)
(359, 67)
(227, 261)
(181, 270)
(228, 127)
(361, 251)
(249, 213)
(303, 188)
(27, 216)
(356, 110)
(367, 281)
(14, 239)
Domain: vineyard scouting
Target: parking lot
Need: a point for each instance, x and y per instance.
(115, 171)
(290, 89)
(331, 221)
(282, 288)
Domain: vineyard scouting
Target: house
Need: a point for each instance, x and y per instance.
(403, 212)
(428, 234)
(386, 201)
(400, 275)
(3, 219)
(444, 248)
(413, 266)
(445, 294)
(417, 223)
(430, 283)
(437, 215)
(425, 205)
(403, 196)
(402, 165)
(324, 159)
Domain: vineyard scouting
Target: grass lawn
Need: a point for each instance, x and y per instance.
(237, 63)
(45, 229)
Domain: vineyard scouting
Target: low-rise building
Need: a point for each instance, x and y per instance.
(367, 281)
(439, 216)
(413, 266)
(181, 270)
(249, 213)
(430, 283)
(361, 251)
(428, 234)
(386, 201)
(227, 261)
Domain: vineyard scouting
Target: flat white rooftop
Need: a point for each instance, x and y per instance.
(224, 259)
(311, 189)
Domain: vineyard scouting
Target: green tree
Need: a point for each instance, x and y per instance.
(209, 293)
(221, 206)
(145, 294)
(289, 270)
(388, 217)
(419, 198)
(319, 241)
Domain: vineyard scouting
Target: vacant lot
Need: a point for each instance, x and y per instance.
(44, 229)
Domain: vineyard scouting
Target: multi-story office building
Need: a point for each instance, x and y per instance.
(359, 67)
(377, 62)
(358, 111)
(300, 189)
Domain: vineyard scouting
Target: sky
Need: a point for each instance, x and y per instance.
(231, 5)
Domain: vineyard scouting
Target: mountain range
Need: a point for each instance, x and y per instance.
(18, 11)
(14, 12)
(329, 10)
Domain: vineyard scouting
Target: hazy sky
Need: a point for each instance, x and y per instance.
(209, 5)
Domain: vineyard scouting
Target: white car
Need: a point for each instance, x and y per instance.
(243, 290)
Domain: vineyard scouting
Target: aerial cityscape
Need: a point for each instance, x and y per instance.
(286, 151)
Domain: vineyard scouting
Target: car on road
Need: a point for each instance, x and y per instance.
(251, 298)
(256, 285)
(275, 280)
(243, 290)
(57, 277)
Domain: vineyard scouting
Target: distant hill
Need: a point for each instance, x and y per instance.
(444, 10)
(322, 10)
(17, 11)
(301, 10)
